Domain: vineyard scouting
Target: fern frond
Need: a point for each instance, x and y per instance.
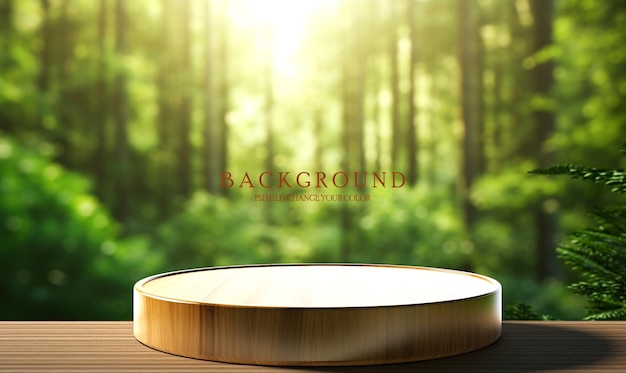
(615, 178)
(596, 246)
(579, 260)
(598, 253)
(520, 311)
(610, 218)
(615, 314)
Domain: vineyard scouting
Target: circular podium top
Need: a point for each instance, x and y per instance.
(319, 286)
(317, 314)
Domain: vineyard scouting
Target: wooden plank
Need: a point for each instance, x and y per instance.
(556, 346)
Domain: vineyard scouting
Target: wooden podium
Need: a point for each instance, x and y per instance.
(317, 314)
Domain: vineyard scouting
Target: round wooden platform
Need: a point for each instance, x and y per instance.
(317, 314)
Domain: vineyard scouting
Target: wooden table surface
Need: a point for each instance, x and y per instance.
(525, 346)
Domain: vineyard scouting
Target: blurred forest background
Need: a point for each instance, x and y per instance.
(118, 117)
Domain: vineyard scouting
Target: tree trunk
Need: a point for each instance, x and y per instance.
(517, 141)
(377, 122)
(395, 88)
(6, 27)
(269, 122)
(430, 170)
(224, 93)
(46, 102)
(347, 133)
(492, 64)
(498, 123)
(346, 95)
(43, 80)
(359, 123)
(6, 35)
(358, 94)
(542, 80)
(269, 103)
(471, 103)
(209, 166)
(99, 155)
(411, 145)
(64, 112)
(122, 152)
(184, 112)
(165, 149)
(353, 94)
(318, 134)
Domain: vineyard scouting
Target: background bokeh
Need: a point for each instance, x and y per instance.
(118, 117)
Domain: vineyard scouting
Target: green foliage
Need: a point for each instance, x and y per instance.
(107, 109)
(522, 311)
(591, 88)
(410, 227)
(550, 298)
(598, 253)
(212, 231)
(58, 253)
(615, 178)
(414, 226)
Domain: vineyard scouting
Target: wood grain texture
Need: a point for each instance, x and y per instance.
(546, 346)
(317, 315)
(318, 286)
